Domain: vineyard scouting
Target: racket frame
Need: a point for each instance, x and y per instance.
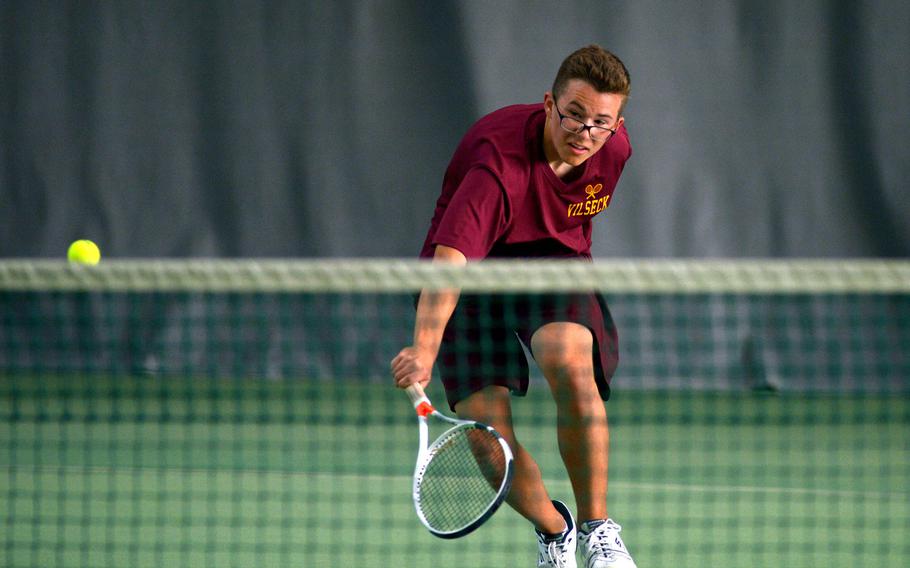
(424, 409)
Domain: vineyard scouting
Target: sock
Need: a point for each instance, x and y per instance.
(589, 526)
(553, 537)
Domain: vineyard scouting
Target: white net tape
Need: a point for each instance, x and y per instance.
(393, 275)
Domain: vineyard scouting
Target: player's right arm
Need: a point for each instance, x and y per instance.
(414, 364)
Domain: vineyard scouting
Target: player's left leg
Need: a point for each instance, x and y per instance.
(564, 352)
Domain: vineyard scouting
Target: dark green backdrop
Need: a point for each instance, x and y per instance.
(287, 128)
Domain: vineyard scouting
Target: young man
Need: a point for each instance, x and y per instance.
(525, 182)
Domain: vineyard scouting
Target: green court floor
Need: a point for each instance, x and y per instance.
(150, 472)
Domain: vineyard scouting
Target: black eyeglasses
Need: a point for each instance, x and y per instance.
(575, 126)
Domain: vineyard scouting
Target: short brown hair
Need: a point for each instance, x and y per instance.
(596, 66)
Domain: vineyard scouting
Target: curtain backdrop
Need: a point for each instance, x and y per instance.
(322, 129)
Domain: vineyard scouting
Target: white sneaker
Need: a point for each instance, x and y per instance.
(603, 547)
(559, 553)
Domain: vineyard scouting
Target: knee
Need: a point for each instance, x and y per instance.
(569, 374)
(565, 354)
(574, 388)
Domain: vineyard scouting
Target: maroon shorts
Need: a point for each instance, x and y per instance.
(482, 343)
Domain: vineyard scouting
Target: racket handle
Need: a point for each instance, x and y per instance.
(419, 399)
(415, 393)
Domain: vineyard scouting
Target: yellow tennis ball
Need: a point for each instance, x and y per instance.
(83, 252)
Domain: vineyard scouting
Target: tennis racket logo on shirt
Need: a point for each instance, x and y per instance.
(592, 205)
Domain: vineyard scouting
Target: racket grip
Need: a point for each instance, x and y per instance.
(415, 393)
(417, 396)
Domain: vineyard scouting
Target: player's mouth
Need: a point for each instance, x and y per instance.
(577, 149)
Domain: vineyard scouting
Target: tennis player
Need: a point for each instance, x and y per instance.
(526, 182)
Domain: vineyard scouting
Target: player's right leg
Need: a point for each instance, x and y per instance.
(481, 362)
(492, 405)
(556, 531)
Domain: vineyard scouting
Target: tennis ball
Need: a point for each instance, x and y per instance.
(83, 252)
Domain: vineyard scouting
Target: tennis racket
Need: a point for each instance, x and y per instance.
(462, 478)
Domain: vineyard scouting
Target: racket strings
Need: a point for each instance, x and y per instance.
(462, 479)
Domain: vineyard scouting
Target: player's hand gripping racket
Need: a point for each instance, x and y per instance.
(461, 478)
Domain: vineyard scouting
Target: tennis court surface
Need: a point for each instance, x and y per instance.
(241, 414)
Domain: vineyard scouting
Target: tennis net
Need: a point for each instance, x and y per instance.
(241, 413)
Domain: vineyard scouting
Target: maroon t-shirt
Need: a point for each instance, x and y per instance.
(501, 199)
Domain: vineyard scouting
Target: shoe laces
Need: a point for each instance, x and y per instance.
(604, 538)
(556, 551)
